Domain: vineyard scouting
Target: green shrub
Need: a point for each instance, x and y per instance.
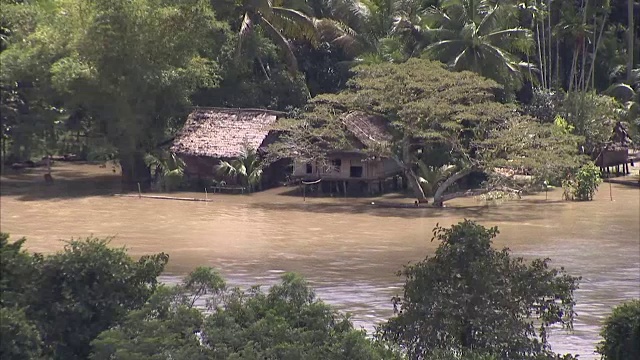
(583, 185)
(621, 333)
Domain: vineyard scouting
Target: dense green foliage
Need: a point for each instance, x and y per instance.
(20, 338)
(285, 323)
(472, 299)
(583, 185)
(125, 69)
(467, 302)
(114, 80)
(245, 170)
(72, 296)
(452, 117)
(621, 333)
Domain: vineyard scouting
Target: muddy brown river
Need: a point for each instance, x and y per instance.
(348, 249)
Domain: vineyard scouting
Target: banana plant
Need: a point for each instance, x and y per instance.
(245, 170)
(167, 169)
(430, 177)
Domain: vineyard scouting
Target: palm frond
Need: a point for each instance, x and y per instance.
(502, 58)
(508, 34)
(280, 41)
(445, 49)
(246, 29)
(342, 36)
(293, 23)
(437, 17)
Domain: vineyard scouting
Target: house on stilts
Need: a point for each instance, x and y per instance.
(615, 153)
(354, 170)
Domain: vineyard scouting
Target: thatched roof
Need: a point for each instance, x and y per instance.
(222, 132)
(370, 130)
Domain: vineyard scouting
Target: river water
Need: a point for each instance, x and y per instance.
(348, 249)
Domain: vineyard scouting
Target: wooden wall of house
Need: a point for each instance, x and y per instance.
(345, 167)
(199, 166)
(612, 157)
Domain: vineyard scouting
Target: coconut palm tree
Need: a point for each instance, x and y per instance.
(246, 169)
(280, 21)
(478, 35)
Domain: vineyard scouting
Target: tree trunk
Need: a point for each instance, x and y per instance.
(134, 171)
(631, 35)
(582, 86)
(574, 64)
(591, 77)
(540, 61)
(557, 81)
(412, 179)
(549, 67)
(439, 198)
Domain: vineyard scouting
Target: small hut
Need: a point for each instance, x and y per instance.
(353, 169)
(615, 153)
(214, 134)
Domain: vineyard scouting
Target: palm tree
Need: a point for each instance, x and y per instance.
(430, 177)
(167, 169)
(246, 169)
(477, 35)
(279, 22)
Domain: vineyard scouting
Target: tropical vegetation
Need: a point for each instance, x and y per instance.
(621, 333)
(114, 80)
(469, 298)
(245, 170)
(92, 300)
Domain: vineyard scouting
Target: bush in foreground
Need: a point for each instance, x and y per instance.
(70, 297)
(470, 301)
(287, 322)
(621, 333)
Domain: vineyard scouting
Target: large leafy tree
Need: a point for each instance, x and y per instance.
(68, 298)
(469, 298)
(131, 65)
(288, 322)
(621, 333)
(427, 106)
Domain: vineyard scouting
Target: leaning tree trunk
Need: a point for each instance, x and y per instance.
(135, 171)
(439, 198)
(410, 175)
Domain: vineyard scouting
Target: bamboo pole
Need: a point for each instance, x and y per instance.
(161, 197)
(610, 192)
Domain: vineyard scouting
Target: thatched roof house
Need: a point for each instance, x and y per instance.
(212, 134)
(223, 133)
